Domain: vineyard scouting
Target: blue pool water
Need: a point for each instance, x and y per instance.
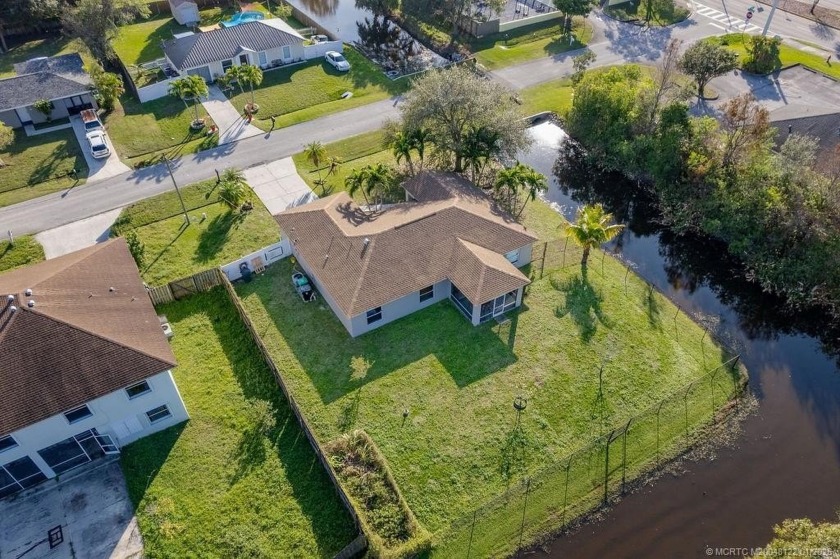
(242, 17)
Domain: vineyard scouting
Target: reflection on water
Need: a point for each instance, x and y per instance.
(787, 463)
(338, 18)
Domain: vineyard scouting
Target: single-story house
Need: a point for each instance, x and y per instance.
(209, 54)
(449, 241)
(84, 364)
(185, 12)
(61, 80)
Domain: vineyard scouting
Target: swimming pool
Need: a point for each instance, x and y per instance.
(242, 17)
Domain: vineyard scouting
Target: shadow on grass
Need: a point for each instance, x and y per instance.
(181, 230)
(652, 307)
(583, 304)
(215, 236)
(329, 356)
(142, 460)
(330, 522)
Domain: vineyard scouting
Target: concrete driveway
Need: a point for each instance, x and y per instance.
(92, 508)
(77, 235)
(232, 125)
(99, 169)
(279, 186)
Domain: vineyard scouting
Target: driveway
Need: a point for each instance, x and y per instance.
(77, 235)
(99, 169)
(232, 125)
(279, 186)
(91, 507)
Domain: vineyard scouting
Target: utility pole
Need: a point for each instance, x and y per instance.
(770, 18)
(177, 190)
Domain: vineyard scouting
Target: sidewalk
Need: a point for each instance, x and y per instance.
(232, 125)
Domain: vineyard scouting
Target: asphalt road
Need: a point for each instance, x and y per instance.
(613, 43)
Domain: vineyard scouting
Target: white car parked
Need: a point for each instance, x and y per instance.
(98, 146)
(337, 61)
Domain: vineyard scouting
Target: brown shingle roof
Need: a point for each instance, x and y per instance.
(92, 330)
(409, 246)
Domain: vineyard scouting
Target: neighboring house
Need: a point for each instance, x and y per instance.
(452, 242)
(209, 54)
(185, 12)
(824, 127)
(59, 79)
(84, 364)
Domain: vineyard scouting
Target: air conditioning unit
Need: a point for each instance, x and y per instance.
(167, 328)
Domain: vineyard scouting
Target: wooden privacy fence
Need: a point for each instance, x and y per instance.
(184, 287)
(359, 544)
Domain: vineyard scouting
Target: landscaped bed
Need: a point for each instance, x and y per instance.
(436, 394)
(239, 479)
(312, 89)
(215, 235)
(39, 165)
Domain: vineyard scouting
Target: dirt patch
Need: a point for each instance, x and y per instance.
(824, 16)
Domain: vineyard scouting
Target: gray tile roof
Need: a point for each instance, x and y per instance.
(366, 260)
(228, 42)
(47, 78)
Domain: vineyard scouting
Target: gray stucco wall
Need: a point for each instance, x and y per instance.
(399, 308)
(10, 118)
(323, 292)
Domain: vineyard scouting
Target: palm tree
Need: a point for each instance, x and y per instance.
(480, 144)
(251, 76)
(592, 227)
(401, 144)
(233, 189)
(372, 180)
(420, 137)
(190, 88)
(355, 182)
(512, 181)
(316, 154)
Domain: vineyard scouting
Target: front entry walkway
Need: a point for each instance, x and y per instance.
(279, 186)
(232, 125)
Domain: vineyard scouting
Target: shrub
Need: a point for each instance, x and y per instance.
(136, 248)
(762, 54)
(44, 107)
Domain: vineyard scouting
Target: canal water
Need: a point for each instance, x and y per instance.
(785, 463)
(335, 16)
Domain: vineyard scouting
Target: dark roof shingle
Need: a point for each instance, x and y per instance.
(92, 330)
(51, 78)
(228, 42)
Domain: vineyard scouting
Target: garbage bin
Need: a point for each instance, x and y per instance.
(245, 271)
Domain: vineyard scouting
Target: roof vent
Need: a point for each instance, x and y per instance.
(28, 293)
(367, 241)
(13, 308)
(31, 303)
(111, 289)
(10, 298)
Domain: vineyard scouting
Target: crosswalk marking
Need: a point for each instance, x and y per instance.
(733, 24)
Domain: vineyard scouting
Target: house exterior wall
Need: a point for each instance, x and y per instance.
(109, 412)
(398, 308)
(10, 118)
(323, 293)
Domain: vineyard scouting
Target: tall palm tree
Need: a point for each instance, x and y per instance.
(189, 88)
(233, 189)
(592, 227)
(355, 182)
(251, 76)
(511, 182)
(333, 165)
(402, 144)
(420, 138)
(316, 154)
(373, 181)
(480, 145)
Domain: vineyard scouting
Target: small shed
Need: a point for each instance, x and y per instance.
(185, 12)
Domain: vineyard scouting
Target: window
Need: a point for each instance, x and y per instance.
(427, 293)
(263, 59)
(512, 256)
(77, 414)
(243, 59)
(158, 414)
(287, 52)
(374, 314)
(226, 64)
(138, 389)
(7, 442)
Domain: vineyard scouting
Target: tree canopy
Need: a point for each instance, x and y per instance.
(705, 60)
(96, 22)
(451, 104)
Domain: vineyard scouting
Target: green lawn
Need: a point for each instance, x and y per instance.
(447, 373)
(788, 55)
(312, 89)
(174, 251)
(39, 165)
(555, 96)
(527, 43)
(39, 47)
(141, 130)
(227, 483)
(25, 250)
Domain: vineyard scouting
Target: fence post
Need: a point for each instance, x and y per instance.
(565, 248)
(524, 506)
(624, 456)
(658, 411)
(472, 531)
(566, 493)
(607, 466)
(626, 273)
(685, 402)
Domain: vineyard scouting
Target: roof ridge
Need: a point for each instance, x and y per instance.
(368, 252)
(97, 335)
